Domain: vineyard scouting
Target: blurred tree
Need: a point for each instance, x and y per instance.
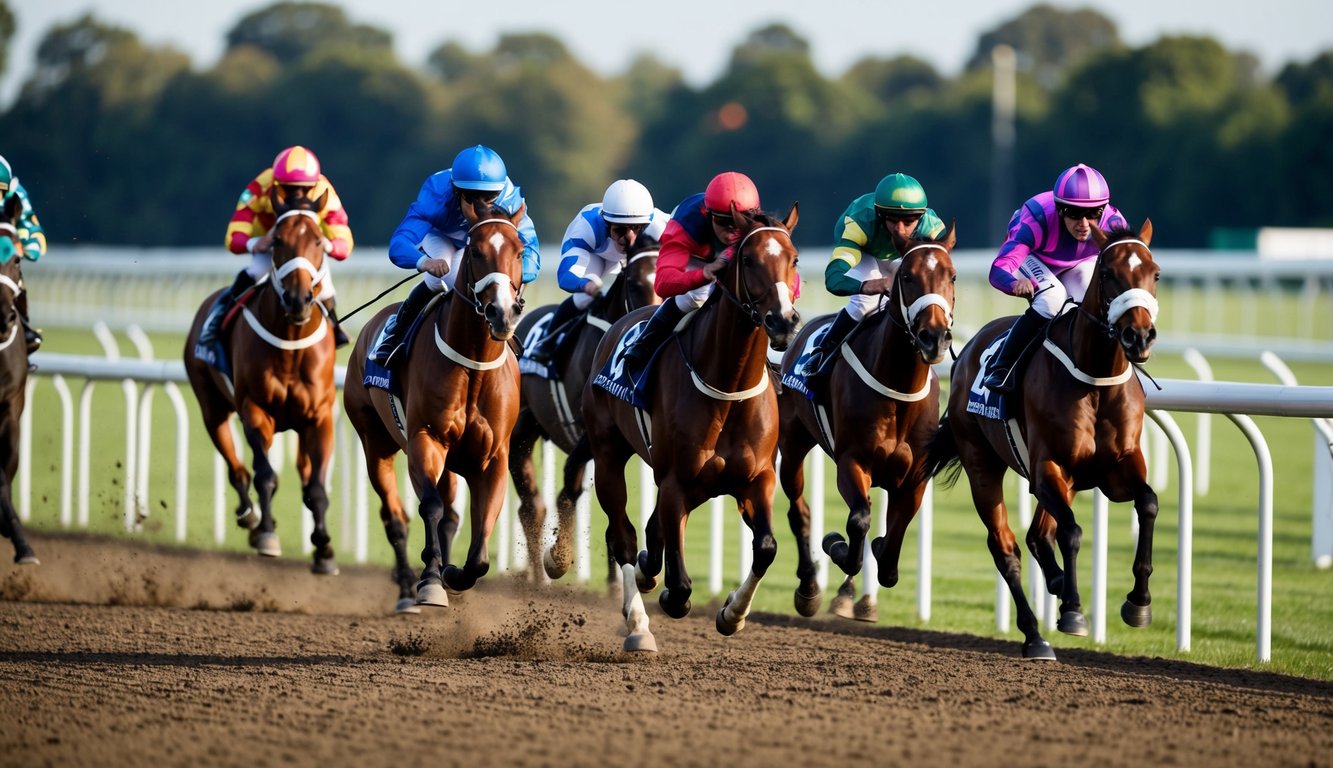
(451, 62)
(1049, 41)
(895, 80)
(291, 30)
(1303, 83)
(7, 28)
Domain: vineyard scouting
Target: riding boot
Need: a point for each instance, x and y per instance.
(340, 339)
(32, 336)
(821, 361)
(1025, 329)
(542, 351)
(659, 327)
(390, 348)
(225, 301)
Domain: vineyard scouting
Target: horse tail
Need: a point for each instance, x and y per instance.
(942, 455)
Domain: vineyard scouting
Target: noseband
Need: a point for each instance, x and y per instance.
(278, 274)
(487, 280)
(1117, 307)
(906, 316)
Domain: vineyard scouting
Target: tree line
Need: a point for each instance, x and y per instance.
(120, 142)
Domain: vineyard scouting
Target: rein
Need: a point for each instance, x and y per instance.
(476, 288)
(906, 316)
(486, 280)
(747, 306)
(1114, 310)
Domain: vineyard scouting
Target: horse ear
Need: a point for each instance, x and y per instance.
(950, 238)
(13, 209)
(1145, 231)
(322, 200)
(278, 196)
(469, 209)
(793, 216)
(520, 213)
(1099, 236)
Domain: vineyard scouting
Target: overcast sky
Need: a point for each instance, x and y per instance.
(698, 36)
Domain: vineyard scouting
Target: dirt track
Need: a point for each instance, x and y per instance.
(113, 654)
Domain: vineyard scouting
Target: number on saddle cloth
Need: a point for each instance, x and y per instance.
(376, 375)
(617, 378)
(794, 379)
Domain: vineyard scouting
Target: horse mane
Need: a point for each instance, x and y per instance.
(765, 219)
(1121, 232)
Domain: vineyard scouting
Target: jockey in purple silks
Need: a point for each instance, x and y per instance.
(1048, 258)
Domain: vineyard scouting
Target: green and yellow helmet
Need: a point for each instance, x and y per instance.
(901, 194)
(6, 178)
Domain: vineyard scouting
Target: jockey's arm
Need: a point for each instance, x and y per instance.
(673, 274)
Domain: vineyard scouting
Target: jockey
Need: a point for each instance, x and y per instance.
(1049, 257)
(33, 237)
(434, 231)
(594, 248)
(700, 230)
(249, 232)
(864, 262)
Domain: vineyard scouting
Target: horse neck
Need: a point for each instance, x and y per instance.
(728, 350)
(891, 355)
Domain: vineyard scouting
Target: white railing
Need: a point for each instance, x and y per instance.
(1236, 401)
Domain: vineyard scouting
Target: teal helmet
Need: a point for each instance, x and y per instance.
(7, 180)
(900, 193)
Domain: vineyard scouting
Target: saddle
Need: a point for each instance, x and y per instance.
(616, 376)
(566, 338)
(215, 354)
(376, 375)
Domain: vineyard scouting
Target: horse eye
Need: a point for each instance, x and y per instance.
(953, 278)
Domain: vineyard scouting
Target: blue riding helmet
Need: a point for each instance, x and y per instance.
(479, 168)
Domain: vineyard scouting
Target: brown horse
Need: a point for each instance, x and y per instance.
(552, 409)
(711, 427)
(460, 395)
(282, 359)
(1079, 412)
(13, 377)
(883, 407)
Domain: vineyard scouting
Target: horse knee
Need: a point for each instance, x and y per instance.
(266, 482)
(765, 550)
(316, 498)
(1147, 507)
(858, 523)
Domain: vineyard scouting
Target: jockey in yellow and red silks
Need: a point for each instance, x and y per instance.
(248, 231)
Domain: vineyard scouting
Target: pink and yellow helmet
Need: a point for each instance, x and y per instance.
(296, 166)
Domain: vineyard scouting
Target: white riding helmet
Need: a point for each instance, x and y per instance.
(627, 202)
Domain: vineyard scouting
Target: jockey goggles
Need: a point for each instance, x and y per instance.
(1074, 213)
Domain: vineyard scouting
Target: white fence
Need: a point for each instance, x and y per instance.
(138, 378)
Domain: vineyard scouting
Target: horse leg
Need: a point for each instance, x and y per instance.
(450, 520)
(561, 554)
(217, 422)
(312, 460)
(1130, 482)
(854, 486)
(10, 526)
(757, 511)
(383, 478)
(1041, 543)
(610, 456)
(531, 507)
(791, 474)
(986, 478)
(1053, 489)
(673, 513)
(425, 466)
(258, 427)
(888, 549)
(487, 494)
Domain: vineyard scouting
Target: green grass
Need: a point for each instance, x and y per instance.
(1225, 529)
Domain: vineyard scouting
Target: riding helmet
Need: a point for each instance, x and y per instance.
(627, 202)
(479, 168)
(899, 192)
(7, 180)
(1082, 186)
(296, 166)
(728, 188)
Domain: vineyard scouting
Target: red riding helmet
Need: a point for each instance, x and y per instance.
(728, 188)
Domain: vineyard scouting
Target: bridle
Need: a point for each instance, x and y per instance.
(906, 315)
(489, 279)
(278, 273)
(1112, 309)
(747, 304)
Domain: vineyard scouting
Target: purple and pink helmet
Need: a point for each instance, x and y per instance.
(297, 167)
(1083, 187)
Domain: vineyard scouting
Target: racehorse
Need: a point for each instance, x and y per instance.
(459, 401)
(1079, 412)
(882, 408)
(282, 359)
(711, 427)
(552, 409)
(13, 376)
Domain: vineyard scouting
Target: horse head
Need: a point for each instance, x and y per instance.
(635, 282)
(762, 272)
(922, 295)
(11, 256)
(298, 252)
(1123, 290)
(492, 268)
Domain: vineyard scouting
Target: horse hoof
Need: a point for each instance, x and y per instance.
(843, 602)
(249, 520)
(1138, 616)
(727, 628)
(554, 569)
(267, 545)
(645, 582)
(808, 605)
(830, 540)
(406, 605)
(865, 610)
(432, 593)
(1038, 650)
(636, 642)
(28, 559)
(670, 608)
(1073, 623)
(324, 566)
